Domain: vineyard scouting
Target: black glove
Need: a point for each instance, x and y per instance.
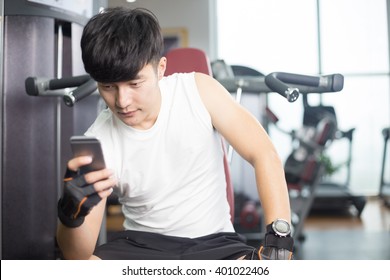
(276, 247)
(77, 199)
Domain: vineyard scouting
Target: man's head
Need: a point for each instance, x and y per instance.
(117, 43)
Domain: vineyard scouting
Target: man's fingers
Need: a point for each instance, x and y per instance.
(105, 193)
(105, 184)
(75, 163)
(96, 176)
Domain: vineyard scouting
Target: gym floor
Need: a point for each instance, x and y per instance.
(345, 236)
(331, 236)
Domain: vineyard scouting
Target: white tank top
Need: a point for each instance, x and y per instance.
(171, 176)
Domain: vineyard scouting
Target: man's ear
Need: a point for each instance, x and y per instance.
(162, 65)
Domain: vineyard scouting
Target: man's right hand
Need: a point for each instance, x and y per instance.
(82, 192)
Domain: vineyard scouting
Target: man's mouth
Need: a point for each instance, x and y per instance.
(127, 113)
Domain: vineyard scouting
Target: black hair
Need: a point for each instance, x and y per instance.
(118, 42)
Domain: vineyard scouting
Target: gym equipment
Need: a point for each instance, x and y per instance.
(305, 175)
(304, 167)
(36, 39)
(287, 85)
(333, 196)
(384, 188)
(71, 89)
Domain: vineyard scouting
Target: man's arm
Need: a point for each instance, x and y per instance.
(79, 242)
(250, 140)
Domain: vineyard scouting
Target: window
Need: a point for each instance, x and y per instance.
(346, 36)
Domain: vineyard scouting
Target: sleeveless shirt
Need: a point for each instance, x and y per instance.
(170, 177)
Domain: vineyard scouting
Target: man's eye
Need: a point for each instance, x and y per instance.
(136, 84)
(107, 87)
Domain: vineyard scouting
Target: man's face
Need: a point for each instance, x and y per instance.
(136, 102)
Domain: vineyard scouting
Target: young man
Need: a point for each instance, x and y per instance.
(162, 146)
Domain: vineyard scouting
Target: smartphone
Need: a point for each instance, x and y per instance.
(88, 146)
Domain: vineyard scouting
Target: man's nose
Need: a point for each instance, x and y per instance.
(124, 98)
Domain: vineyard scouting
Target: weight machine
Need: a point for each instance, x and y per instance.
(304, 167)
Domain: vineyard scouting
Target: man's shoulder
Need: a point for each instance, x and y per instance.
(176, 77)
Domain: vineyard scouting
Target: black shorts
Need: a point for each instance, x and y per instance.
(139, 245)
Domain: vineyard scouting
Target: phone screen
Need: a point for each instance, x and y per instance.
(88, 146)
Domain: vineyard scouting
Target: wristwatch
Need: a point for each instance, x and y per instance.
(280, 227)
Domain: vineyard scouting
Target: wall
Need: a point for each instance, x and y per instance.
(197, 17)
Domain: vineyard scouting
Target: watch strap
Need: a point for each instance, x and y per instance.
(272, 240)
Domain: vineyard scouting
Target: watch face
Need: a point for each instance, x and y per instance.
(281, 227)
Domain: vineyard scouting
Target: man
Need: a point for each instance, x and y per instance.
(162, 146)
